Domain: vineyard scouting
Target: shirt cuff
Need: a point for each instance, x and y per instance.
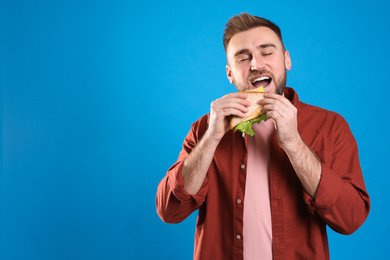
(176, 183)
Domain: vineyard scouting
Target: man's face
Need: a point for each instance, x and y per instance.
(256, 58)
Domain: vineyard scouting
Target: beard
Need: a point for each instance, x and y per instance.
(279, 83)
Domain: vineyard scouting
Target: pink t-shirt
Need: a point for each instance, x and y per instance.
(257, 210)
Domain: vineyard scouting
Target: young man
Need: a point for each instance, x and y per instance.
(269, 196)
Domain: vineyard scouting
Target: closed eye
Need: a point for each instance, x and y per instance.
(244, 58)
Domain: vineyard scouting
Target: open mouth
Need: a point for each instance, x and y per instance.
(261, 81)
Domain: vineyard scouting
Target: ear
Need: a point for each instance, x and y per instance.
(287, 60)
(229, 74)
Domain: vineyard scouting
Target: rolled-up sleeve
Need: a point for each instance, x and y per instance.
(341, 199)
(173, 202)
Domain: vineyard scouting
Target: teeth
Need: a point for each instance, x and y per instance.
(261, 78)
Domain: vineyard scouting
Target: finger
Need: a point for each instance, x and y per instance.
(273, 105)
(236, 97)
(233, 112)
(283, 111)
(278, 97)
(234, 107)
(228, 108)
(279, 103)
(226, 102)
(240, 101)
(275, 115)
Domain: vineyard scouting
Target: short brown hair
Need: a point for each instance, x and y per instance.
(245, 21)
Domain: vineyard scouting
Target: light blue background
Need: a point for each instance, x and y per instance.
(98, 96)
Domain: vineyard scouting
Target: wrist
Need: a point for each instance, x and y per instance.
(211, 139)
(297, 145)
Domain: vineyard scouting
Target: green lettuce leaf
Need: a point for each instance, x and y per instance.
(246, 127)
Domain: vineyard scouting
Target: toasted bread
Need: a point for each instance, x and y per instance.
(254, 96)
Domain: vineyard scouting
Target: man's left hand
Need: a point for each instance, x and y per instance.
(284, 115)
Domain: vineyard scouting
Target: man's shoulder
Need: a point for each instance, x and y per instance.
(202, 120)
(308, 109)
(319, 111)
(314, 116)
(312, 108)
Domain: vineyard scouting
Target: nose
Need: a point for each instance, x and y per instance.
(256, 63)
(253, 67)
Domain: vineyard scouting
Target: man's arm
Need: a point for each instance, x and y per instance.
(305, 163)
(196, 165)
(184, 187)
(333, 182)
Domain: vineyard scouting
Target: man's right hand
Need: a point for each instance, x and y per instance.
(230, 104)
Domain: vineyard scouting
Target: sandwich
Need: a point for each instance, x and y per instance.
(244, 124)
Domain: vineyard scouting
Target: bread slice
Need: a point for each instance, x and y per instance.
(254, 96)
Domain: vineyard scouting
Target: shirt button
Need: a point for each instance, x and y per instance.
(238, 237)
(242, 166)
(238, 201)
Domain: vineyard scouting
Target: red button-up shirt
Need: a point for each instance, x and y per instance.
(298, 221)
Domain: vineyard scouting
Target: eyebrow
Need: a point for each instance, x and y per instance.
(267, 45)
(261, 46)
(243, 51)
